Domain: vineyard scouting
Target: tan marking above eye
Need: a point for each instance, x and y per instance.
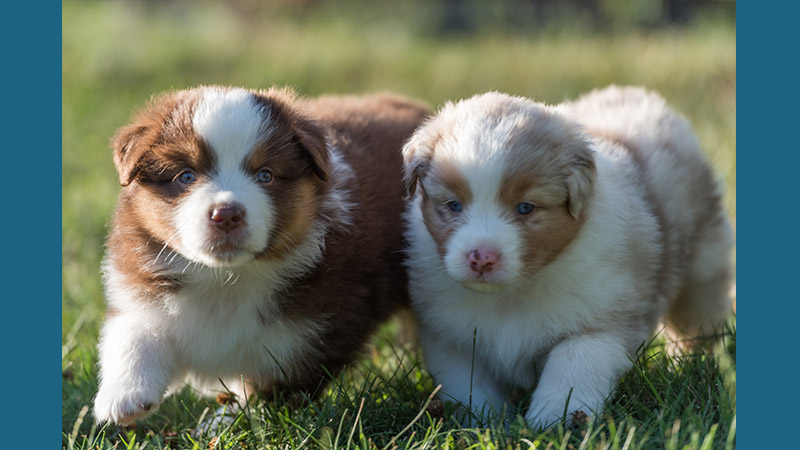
(451, 179)
(538, 192)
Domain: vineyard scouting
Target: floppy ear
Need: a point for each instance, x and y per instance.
(417, 155)
(128, 151)
(305, 132)
(311, 139)
(580, 181)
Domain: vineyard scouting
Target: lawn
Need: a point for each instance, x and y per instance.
(117, 54)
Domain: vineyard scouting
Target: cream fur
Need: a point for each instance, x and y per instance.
(646, 243)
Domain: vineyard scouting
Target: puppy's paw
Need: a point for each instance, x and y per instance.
(541, 415)
(222, 418)
(123, 407)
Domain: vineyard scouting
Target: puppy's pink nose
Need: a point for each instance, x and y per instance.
(227, 217)
(482, 260)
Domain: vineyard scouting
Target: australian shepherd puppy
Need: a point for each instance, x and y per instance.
(547, 242)
(257, 240)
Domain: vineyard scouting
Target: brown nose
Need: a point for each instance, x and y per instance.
(227, 217)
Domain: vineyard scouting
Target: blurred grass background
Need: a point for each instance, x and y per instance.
(117, 54)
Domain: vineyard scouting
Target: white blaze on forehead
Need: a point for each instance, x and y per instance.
(231, 122)
(478, 141)
(481, 127)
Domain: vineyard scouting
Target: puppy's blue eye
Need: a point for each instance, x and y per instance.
(187, 177)
(454, 206)
(524, 208)
(265, 176)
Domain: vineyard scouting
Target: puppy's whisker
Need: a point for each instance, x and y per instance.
(174, 255)
(231, 276)
(188, 266)
(155, 260)
(166, 243)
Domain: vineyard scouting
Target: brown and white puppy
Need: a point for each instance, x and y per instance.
(257, 239)
(546, 243)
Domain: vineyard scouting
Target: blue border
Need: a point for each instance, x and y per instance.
(30, 33)
(767, 228)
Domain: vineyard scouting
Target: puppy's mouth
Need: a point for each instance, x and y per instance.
(484, 286)
(226, 252)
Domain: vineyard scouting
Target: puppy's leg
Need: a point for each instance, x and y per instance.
(135, 370)
(463, 379)
(588, 366)
(697, 316)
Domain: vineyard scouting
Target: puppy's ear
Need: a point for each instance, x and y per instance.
(417, 155)
(580, 181)
(308, 135)
(128, 149)
(311, 139)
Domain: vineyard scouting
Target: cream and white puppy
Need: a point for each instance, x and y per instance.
(547, 242)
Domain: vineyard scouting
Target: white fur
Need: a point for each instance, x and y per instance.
(568, 321)
(485, 227)
(231, 123)
(199, 334)
(517, 326)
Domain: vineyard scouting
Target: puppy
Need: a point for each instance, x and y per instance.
(546, 243)
(257, 240)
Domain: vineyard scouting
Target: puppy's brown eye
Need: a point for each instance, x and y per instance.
(264, 176)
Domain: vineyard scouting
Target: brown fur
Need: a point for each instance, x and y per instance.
(550, 227)
(440, 220)
(453, 181)
(148, 154)
(360, 280)
(436, 220)
(361, 274)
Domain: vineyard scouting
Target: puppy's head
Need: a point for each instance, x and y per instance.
(504, 185)
(222, 175)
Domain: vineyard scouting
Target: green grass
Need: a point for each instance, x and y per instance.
(116, 55)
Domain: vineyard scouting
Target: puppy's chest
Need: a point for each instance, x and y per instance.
(236, 328)
(510, 337)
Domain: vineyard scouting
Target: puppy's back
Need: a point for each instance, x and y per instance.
(663, 145)
(682, 192)
(361, 279)
(370, 131)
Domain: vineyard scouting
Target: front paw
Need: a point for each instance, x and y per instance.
(123, 407)
(543, 414)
